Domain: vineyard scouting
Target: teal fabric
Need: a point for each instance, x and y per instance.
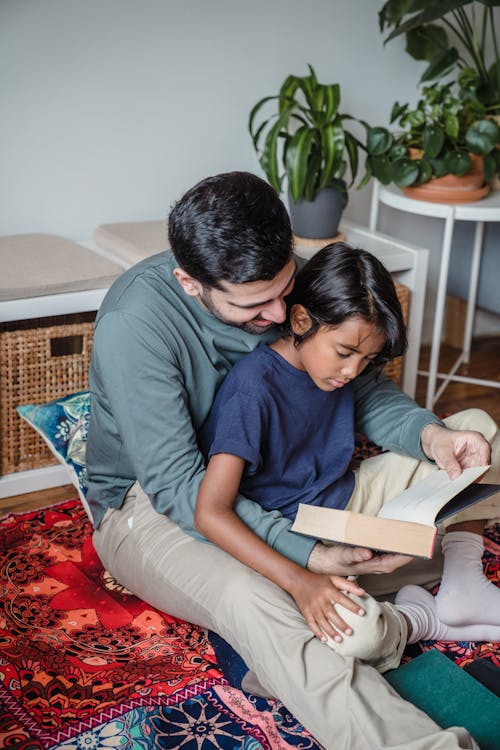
(450, 696)
(63, 423)
(159, 358)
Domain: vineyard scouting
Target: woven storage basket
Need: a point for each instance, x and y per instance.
(394, 369)
(40, 360)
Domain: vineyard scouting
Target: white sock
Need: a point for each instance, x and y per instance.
(466, 596)
(419, 607)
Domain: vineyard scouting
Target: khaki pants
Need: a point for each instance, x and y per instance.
(343, 701)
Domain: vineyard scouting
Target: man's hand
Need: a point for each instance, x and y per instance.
(454, 450)
(352, 561)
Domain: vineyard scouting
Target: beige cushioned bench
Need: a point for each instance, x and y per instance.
(129, 242)
(35, 265)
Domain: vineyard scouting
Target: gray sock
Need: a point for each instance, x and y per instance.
(465, 595)
(419, 607)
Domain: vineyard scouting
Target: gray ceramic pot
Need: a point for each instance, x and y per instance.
(317, 219)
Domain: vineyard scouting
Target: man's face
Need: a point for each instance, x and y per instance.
(253, 306)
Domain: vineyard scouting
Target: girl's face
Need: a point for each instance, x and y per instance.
(334, 356)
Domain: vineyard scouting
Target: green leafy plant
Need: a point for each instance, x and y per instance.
(470, 24)
(445, 129)
(305, 139)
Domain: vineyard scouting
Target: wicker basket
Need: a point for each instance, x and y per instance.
(394, 369)
(40, 360)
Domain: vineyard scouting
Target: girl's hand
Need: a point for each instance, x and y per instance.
(316, 596)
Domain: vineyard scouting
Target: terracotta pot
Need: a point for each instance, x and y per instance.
(451, 188)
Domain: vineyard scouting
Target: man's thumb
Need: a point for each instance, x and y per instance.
(452, 467)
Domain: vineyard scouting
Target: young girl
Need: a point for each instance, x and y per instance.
(282, 426)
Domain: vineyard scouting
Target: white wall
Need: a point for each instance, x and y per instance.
(110, 109)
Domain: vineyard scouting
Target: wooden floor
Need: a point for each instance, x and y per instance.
(32, 500)
(485, 363)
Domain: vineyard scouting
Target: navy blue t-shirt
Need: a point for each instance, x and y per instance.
(297, 440)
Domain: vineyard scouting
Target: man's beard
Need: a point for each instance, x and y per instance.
(248, 327)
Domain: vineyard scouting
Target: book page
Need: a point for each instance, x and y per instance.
(422, 502)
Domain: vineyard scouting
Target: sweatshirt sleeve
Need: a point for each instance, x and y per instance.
(389, 417)
(140, 375)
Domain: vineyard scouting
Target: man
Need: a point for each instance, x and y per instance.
(166, 335)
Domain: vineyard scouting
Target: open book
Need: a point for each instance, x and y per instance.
(406, 523)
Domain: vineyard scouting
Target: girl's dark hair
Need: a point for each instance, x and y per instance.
(342, 282)
(231, 227)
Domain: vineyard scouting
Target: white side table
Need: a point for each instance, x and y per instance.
(485, 210)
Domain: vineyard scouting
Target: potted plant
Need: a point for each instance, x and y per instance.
(444, 135)
(471, 23)
(304, 140)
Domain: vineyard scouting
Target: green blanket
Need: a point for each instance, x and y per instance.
(449, 696)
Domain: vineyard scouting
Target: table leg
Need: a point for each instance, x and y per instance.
(374, 207)
(440, 305)
(472, 296)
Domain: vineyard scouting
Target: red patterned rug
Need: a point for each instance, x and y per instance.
(84, 664)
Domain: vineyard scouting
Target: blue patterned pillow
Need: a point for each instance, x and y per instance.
(63, 424)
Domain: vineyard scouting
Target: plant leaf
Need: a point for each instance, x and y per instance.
(426, 42)
(258, 133)
(352, 151)
(432, 140)
(378, 141)
(310, 188)
(424, 171)
(365, 180)
(288, 90)
(482, 136)
(380, 167)
(331, 101)
(308, 85)
(297, 159)
(404, 172)
(332, 146)
(269, 156)
(457, 162)
(433, 10)
(397, 111)
(440, 65)
(253, 114)
(438, 167)
(494, 84)
(397, 151)
(451, 126)
(413, 119)
(393, 11)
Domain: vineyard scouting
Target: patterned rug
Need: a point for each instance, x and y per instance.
(86, 665)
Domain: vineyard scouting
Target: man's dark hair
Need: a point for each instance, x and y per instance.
(230, 227)
(342, 282)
